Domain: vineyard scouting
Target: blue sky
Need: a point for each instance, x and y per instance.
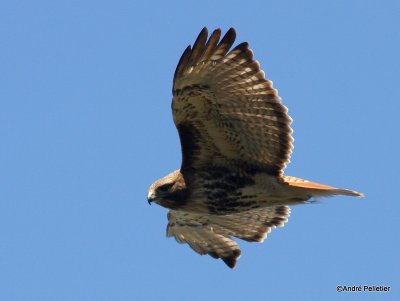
(86, 127)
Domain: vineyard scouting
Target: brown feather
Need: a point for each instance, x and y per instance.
(211, 45)
(198, 48)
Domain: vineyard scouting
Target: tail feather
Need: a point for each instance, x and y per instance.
(316, 189)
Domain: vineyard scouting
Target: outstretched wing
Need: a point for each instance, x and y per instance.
(226, 112)
(211, 234)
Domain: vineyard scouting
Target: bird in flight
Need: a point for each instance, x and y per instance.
(236, 141)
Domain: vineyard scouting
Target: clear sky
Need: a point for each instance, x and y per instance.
(86, 127)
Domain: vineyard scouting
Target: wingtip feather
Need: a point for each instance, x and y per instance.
(230, 261)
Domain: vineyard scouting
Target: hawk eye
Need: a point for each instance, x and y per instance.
(165, 187)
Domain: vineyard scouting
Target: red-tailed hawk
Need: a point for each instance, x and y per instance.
(236, 140)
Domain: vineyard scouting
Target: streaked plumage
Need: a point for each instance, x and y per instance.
(236, 141)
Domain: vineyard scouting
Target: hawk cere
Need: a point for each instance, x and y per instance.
(236, 141)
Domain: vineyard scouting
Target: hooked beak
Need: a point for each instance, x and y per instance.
(150, 198)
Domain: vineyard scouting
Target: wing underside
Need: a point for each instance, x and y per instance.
(225, 111)
(212, 234)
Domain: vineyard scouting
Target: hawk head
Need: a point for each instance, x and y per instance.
(169, 192)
